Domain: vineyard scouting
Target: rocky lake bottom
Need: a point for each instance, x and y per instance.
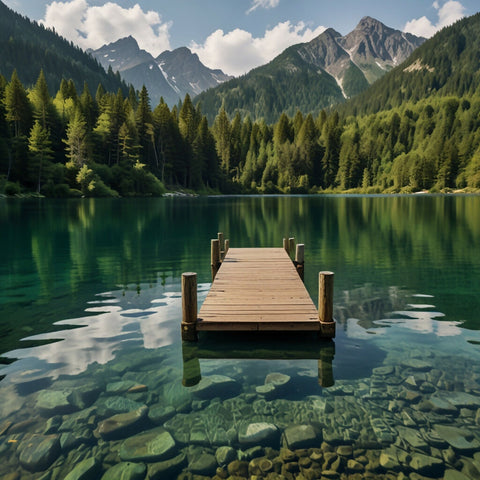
(417, 416)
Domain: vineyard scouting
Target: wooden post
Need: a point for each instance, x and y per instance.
(285, 245)
(191, 365)
(189, 307)
(221, 245)
(291, 246)
(325, 369)
(227, 246)
(215, 257)
(300, 260)
(325, 304)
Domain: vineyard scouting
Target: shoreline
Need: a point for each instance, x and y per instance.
(180, 194)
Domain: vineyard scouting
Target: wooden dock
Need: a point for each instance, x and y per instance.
(257, 289)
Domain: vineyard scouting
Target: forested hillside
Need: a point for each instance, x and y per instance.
(107, 145)
(447, 64)
(284, 85)
(28, 47)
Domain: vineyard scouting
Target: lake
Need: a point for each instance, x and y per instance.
(95, 381)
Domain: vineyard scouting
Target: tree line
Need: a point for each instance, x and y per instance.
(115, 145)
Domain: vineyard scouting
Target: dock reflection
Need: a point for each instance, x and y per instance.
(298, 346)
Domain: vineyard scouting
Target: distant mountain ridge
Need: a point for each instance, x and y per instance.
(171, 75)
(446, 64)
(315, 75)
(29, 47)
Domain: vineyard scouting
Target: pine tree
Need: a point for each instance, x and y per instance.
(169, 144)
(42, 103)
(18, 107)
(222, 131)
(88, 107)
(331, 134)
(76, 142)
(39, 145)
(144, 124)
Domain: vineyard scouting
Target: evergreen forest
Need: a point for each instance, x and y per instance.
(106, 144)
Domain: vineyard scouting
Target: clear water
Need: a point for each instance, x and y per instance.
(90, 306)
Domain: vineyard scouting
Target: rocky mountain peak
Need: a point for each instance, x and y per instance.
(171, 75)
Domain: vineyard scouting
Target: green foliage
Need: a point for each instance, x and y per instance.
(11, 188)
(284, 85)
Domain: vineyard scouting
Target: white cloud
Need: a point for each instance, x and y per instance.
(263, 4)
(237, 52)
(448, 13)
(93, 26)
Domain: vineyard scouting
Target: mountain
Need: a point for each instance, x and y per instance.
(446, 64)
(376, 48)
(28, 47)
(171, 75)
(137, 67)
(187, 73)
(314, 75)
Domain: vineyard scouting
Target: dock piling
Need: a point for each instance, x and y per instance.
(300, 259)
(215, 257)
(189, 307)
(291, 246)
(325, 304)
(285, 245)
(221, 245)
(325, 369)
(227, 246)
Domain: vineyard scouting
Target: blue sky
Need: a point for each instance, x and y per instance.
(235, 35)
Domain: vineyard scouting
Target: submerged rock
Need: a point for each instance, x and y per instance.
(122, 424)
(152, 446)
(77, 421)
(159, 413)
(417, 364)
(117, 388)
(462, 399)
(166, 469)
(412, 437)
(384, 370)
(300, 436)
(55, 402)
(455, 475)
(265, 434)
(216, 386)
(84, 395)
(204, 464)
(113, 405)
(459, 438)
(225, 455)
(277, 379)
(126, 471)
(38, 452)
(426, 465)
(87, 469)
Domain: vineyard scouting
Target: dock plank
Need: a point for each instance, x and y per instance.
(258, 289)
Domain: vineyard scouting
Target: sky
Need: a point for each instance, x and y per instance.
(233, 35)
